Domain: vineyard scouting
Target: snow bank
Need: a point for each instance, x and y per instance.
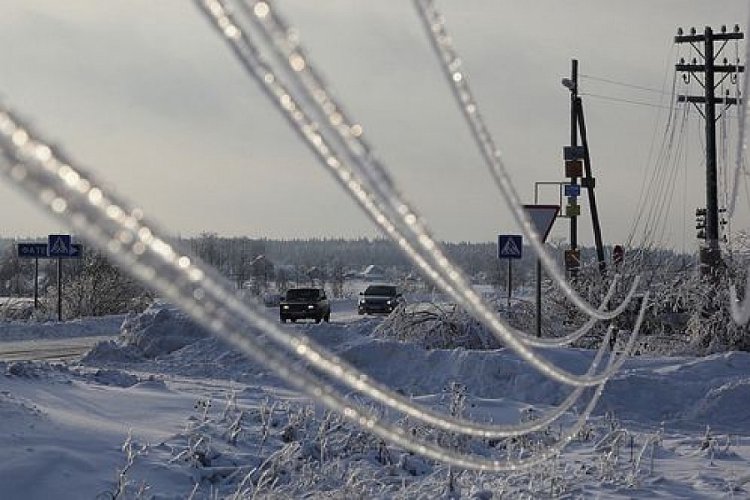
(159, 330)
(714, 390)
(83, 327)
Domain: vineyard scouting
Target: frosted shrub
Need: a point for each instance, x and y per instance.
(436, 326)
(95, 287)
(123, 484)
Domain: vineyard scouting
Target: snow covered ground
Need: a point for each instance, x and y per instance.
(165, 412)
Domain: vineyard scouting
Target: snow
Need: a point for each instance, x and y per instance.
(84, 327)
(203, 420)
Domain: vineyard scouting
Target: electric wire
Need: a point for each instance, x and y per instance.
(652, 214)
(645, 187)
(219, 305)
(289, 50)
(125, 236)
(622, 84)
(742, 143)
(451, 64)
(740, 309)
(623, 100)
(311, 87)
(306, 129)
(61, 173)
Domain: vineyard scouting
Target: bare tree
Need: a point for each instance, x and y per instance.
(99, 288)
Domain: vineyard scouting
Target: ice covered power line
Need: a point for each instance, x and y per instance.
(452, 67)
(348, 140)
(740, 309)
(122, 232)
(165, 250)
(125, 236)
(295, 113)
(297, 344)
(742, 143)
(331, 117)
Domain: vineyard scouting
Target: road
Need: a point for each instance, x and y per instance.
(48, 349)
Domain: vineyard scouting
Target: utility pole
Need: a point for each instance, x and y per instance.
(710, 254)
(573, 144)
(578, 165)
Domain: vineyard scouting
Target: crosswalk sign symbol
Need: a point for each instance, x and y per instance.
(509, 246)
(59, 245)
(510, 249)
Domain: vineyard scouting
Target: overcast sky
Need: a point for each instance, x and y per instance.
(145, 94)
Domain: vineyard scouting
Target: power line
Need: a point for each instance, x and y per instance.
(623, 84)
(628, 101)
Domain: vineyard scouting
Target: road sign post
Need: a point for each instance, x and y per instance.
(510, 247)
(58, 246)
(36, 283)
(542, 217)
(33, 251)
(59, 289)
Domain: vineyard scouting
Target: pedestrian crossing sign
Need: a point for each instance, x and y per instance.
(59, 245)
(509, 246)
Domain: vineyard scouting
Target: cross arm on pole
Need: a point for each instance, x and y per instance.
(718, 68)
(702, 37)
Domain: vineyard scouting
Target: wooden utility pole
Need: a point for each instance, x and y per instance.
(573, 143)
(710, 254)
(578, 165)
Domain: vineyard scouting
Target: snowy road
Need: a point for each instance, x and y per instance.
(49, 349)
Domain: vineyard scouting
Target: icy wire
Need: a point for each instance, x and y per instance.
(741, 309)
(128, 239)
(60, 205)
(292, 341)
(344, 136)
(292, 109)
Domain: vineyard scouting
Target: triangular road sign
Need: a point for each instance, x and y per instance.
(59, 247)
(542, 218)
(510, 249)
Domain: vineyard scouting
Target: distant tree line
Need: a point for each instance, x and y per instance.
(260, 264)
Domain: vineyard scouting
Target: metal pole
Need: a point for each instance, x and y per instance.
(36, 283)
(538, 281)
(538, 298)
(510, 280)
(712, 205)
(59, 289)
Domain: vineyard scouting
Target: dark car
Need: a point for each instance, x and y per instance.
(305, 303)
(379, 299)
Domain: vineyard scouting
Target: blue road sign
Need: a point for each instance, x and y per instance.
(59, 245)
(32, 250)
(509, 246)
(572, 190)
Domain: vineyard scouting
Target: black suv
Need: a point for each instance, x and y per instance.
(305, 303)
(379, 299)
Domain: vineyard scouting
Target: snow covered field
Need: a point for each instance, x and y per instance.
(165, 412)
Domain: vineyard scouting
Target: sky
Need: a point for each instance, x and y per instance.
(148, 97)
